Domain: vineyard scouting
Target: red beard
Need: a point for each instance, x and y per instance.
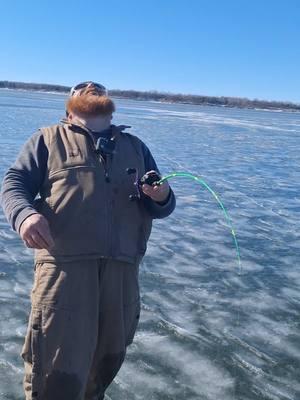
(90, 105)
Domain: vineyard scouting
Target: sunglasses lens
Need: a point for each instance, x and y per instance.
(100, 87)
(82, 85)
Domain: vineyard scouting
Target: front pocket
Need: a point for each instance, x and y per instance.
(131, 301)
(48, 285)
(35, 280)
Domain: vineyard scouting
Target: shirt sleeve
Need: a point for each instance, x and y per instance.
(156, 209)
(23, 180)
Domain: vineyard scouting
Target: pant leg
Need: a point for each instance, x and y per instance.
(119, 310)
(62, 331)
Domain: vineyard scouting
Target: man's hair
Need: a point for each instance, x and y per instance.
(90, 105)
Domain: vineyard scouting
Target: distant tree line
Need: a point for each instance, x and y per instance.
(42, 87)
(205, 100)
(166, 97)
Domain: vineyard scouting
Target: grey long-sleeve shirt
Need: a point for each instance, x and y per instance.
(22, 182)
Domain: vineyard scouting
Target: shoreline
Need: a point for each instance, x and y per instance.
(163, 98)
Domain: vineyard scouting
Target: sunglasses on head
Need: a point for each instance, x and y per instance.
(101, 89)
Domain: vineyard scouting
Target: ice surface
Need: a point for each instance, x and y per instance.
(206, 331)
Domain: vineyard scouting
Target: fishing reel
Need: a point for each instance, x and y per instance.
(150, 178)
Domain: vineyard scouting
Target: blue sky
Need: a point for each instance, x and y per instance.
(230, 48)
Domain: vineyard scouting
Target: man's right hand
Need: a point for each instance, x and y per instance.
(35, 232)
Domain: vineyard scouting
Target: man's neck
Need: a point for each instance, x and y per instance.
(94, 124)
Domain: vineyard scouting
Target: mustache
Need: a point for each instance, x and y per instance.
(90, 105)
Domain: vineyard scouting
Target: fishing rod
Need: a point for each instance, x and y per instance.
(152, 178)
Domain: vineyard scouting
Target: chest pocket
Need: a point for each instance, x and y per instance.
(68, 149)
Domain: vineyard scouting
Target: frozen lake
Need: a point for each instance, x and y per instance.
(206, 331)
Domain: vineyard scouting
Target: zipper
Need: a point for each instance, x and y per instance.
(106, 174)
(101, 160)
(108, 192)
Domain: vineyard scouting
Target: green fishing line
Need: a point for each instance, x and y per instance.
(203, 183)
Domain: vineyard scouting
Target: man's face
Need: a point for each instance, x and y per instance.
(90, 101)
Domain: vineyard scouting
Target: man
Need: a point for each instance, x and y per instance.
(89, 229)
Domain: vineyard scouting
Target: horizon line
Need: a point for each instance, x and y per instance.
(158, 92)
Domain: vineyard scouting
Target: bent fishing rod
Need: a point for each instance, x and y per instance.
(153, 179)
